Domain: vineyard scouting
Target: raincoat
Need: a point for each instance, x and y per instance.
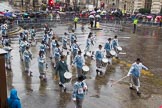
(13, 100)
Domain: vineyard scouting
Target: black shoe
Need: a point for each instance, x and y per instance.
(138, 93)
(40, 77)
(101, 73)
(131, 88)
(60, 85)
(97, 71)
(64, 89)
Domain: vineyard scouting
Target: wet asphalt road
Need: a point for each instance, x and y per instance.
(38, 94)
(146, 44)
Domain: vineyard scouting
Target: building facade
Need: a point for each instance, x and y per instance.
(156, 6)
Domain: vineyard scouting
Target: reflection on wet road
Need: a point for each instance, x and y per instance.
(37, 94)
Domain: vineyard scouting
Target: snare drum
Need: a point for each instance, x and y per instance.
(67, 76)
(113, 53)
(119, 48)
(85, 69)
(88, 54)
(104, 61)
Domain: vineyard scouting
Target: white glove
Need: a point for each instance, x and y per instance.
(74, 99)
(128, 74)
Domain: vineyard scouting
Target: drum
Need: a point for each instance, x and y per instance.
(88, 54)
(104, 61)
(113, 53)
(67, 76)
(119, 48)
(85, 69)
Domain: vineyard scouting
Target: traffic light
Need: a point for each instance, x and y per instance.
(50, 2)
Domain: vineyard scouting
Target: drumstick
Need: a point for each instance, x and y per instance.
(118, 80)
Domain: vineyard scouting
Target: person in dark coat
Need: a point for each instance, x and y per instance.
(61, 68)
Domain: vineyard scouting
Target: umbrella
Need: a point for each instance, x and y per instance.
(1, 14)
(14, 15)
(158, 16)
(104, 11)
(91, 16)
(97, 16)
(99, 10)
(93, 12)
(8, 14)
(149, 16)
(25, 14)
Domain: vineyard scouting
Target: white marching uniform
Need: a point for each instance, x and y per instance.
(134, 73)
(80, 62)
(41, 65)
(8, 56)
(27, 55)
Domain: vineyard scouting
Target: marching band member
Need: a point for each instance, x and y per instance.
(45, 38)
(27, 58)
(23, 45)
(72, 37)
(21, 38)
(41, 65)
(80, 62)
(75, 49)
(64, 41)
(53, 45)
(33, 34)
(46, 28)
(4, 29)
(108, 48)
(8, 49)
(26, 34)
(43, 47)
(115, 44)
(79, 90)
(5, 40)
(57, 54)
(61, 68)
(50, 34)
(88, 43)
(99, 56)
(134, 73)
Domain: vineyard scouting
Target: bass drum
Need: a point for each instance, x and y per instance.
(68, 77)
(113, 53)
(85, 69)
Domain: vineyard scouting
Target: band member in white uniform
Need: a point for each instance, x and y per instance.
(64, 41)
(33, 35)
(134, 73)
(80, 62)
(89, 44)
(115, 44)
(41, 65)
(72, 37)
(8, 49)
(43, 47)
(53, 46)
(79, 90)
(22, 47)
(57, 54)
(75, 48)
(50, 34)
(99, 56)
(27, 59)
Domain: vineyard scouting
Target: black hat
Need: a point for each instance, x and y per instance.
(81, 77)
(138, 59)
